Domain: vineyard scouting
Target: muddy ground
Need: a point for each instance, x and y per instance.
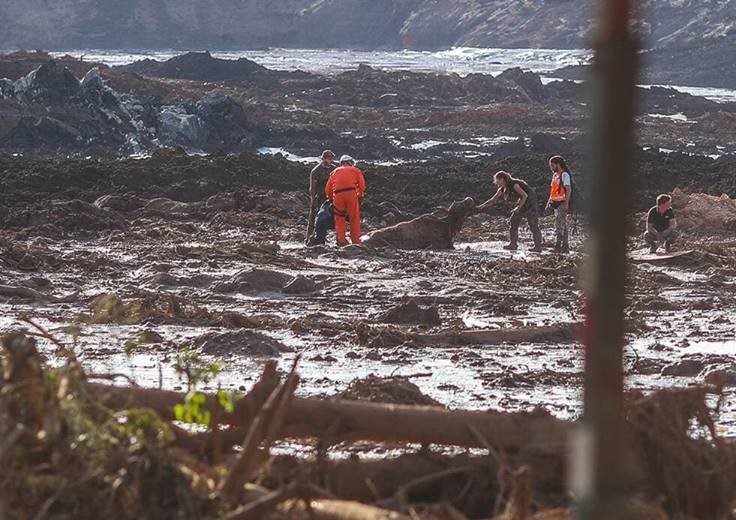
(134, 262)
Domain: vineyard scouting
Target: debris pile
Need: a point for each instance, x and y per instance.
(52, 109)
(75, 447)
(704, 213)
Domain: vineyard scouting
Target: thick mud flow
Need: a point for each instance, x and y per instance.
(133, 281)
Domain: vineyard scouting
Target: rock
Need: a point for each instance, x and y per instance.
(724, 375)
(221, 202)
(512, 149)
(178, 125)
(42, 131)
(395, 390)
(528, 82)
(121, 203)
(300, 285)
(254, 281)
(227, 125)
(97, 93)
(198, 66)
(411, 313)
(7, 88)
(57, 110)
(149, 336)
(324, 359)
(684, 368)
(48, 84)
(162, 280)
(164, 207)
(240, 343)
(648, 366)
(92, 80)
(548, 144)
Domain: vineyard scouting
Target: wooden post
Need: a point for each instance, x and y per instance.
(601, 461)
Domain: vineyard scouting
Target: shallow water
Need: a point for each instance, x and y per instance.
(459, 60)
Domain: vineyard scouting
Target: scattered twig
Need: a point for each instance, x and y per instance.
(260, 507)
(265, 427)
(61, 348)
(112, 377)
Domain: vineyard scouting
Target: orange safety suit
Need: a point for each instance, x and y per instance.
(557, 191)
(345, 188)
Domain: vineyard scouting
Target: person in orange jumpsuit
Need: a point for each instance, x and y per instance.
(345, 188)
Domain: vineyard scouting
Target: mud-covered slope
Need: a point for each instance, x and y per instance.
(343, 23)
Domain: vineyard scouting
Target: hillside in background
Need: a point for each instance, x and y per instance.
(692, 39)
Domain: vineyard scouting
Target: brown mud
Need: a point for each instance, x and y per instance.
(198, 250)
(133, 265)
(133, 275)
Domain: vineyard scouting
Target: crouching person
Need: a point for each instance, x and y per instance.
(324, 221)
(661, 225)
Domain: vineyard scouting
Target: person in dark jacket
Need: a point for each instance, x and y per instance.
(526, 207)
(661, 225)
(317, 181)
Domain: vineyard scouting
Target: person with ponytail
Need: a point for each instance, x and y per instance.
(526, 207)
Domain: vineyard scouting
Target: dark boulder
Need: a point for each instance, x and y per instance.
(529, 83)
(45, 131)
(48, 84)
(199, 66)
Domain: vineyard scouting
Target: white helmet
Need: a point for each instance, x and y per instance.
(347, 159)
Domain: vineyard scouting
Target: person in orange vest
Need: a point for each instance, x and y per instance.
(560, 193)
(345, 188)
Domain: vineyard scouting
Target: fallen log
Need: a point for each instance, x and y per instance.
(430, 231)
(263, 505)
(163, 401)
(26, 293)
(390, 336)
(564, 332)
(337, 420)
(23, 293)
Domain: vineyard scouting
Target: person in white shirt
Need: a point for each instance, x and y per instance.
(560, 194)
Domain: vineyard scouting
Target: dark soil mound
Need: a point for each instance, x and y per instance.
(411, 313)
(272, 184)
(200, 66)
(15, 65)
(393, 390)
(240, 343)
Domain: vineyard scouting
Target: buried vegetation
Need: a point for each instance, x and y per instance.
(66, 437)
